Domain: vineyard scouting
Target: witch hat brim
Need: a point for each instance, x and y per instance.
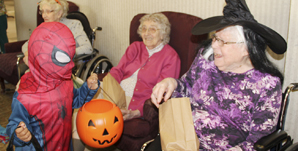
(275, 42)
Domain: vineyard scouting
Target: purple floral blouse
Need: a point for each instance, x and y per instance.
(229, 109)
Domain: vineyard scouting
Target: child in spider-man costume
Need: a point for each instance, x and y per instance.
(43, 104)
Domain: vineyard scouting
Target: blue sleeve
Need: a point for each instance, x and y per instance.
(19, 114)
(83, 95)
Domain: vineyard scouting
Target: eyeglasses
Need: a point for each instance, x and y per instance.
(222, 42)
(150, 30)
(41, 12)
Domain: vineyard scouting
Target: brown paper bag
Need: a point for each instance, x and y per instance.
(176, 126)
(113, 91)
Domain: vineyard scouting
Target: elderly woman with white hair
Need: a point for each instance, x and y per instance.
(143, 65)
(235, 94)
(56, 11)
(146, 62)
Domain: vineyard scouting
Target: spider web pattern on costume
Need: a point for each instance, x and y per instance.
(47, 90)
(54, 109)
(45, 74)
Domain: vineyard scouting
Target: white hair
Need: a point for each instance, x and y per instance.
(238, 32)
(241, 33)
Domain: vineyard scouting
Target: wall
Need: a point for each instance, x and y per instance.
(114, 17)
(25, 14)
(291, 70)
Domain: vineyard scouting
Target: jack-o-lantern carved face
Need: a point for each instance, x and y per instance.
(99, 123)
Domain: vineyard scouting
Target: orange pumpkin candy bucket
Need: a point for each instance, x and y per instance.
(99, 123)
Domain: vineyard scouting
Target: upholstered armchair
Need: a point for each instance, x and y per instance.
(140, 130)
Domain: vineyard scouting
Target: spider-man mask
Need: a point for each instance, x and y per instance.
(51, 49)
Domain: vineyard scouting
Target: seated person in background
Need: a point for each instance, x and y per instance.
(56, 11)
(42, 106)
(146, 63)
(236, 97)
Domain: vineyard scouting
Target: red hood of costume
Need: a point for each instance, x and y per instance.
(51, 49)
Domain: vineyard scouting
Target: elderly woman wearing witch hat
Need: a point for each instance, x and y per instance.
(235, 93)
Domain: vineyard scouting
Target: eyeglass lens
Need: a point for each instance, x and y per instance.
(222, 42)
(150, 30)
(218, 40)
(41, 12)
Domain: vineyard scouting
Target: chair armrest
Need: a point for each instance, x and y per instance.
(20, 55)
(146, 144)
(85, 56)
(14, 46)
(269, 141)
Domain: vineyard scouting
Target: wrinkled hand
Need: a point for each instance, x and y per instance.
(92, 81)
(129, 114)
(23, 133)
(163, 90)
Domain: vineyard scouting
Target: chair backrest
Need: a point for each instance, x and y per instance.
(39, 19)
(181, 38)
(84, 21)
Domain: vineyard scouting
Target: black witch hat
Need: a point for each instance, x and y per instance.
(236, 12)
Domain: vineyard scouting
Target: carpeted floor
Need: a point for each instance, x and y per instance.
(5, 111)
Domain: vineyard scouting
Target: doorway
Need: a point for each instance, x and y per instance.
(11, 22)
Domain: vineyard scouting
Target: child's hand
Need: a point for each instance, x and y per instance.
(23, 133)
(92, 81)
